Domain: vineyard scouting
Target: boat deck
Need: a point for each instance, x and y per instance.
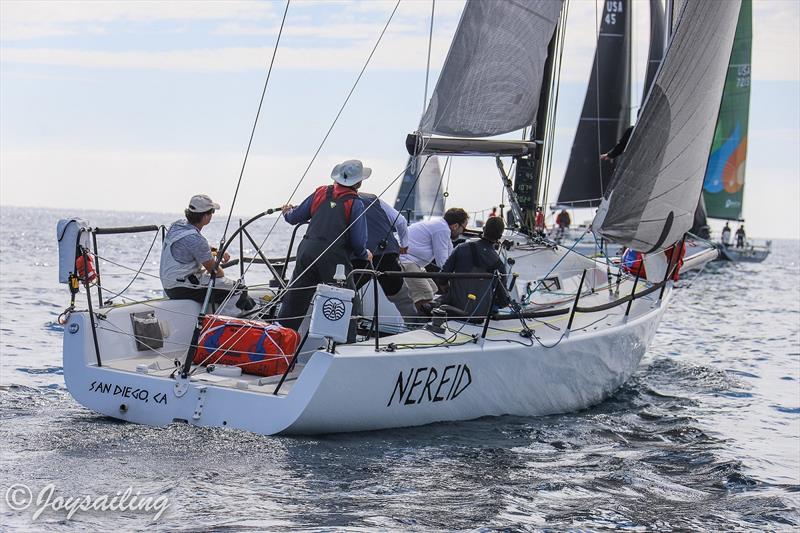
(159, 365)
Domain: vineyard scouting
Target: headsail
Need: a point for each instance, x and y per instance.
(606, 110)
(492, 77)
(426, 197)
(657, 181)
(723, 187)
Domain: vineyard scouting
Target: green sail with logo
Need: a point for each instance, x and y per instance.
(723, 187)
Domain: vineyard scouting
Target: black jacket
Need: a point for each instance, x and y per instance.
(473, 295)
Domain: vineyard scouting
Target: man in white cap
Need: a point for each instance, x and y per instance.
(187, 260)
(337, 233)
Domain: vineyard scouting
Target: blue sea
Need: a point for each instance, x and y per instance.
(705, 436)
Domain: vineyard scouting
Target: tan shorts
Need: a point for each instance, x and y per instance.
(421, 289)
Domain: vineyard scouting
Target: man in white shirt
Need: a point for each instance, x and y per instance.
(429, 241)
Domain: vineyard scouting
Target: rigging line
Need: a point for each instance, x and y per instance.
(439, 187)
(597, 98)
(413, 161)
(255, 122)
(330, 129)
(352, 222)
(553, 104)
(428, 67)
(135, 276)
(347, 99)
(449, 171)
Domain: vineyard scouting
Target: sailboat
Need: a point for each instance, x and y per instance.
(723, 187)
(606, 114)
(576, 330)
(422, 192)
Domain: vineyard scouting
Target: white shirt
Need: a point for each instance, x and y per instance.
(428, 240)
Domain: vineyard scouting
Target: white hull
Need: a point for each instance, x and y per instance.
(358, 388)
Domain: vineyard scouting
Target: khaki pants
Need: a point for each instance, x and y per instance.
(421, 289)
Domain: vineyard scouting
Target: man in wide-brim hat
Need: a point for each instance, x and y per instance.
(337, 232)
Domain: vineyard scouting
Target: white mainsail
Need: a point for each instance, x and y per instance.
(657, 182)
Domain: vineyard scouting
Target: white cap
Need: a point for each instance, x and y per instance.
(350, 172)
(200, 203)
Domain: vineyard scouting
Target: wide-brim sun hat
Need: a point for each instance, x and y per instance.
(350, 172)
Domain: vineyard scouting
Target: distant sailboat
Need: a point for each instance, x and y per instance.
(421, 197)
(723, 186)
(606, 112)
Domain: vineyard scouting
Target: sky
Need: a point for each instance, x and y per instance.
(137, 105)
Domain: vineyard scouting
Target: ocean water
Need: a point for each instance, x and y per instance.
(706, 435)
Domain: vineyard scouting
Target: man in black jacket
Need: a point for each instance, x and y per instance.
(473, 296)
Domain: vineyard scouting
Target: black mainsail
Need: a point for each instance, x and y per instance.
(606, 110)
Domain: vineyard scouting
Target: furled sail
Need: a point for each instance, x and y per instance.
(723, 188)
(655, 52)
(606, 110)
(426, 197)
(492, 77)
(657, 181)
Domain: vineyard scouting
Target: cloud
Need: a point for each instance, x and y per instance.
(397, 52)
(20, 20)
(776, 40)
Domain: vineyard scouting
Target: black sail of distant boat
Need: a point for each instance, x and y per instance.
(422, 196)
(653, 194)
(655, 53)
(606, 110)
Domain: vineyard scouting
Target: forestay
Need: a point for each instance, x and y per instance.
(657, 182)
(492, 77)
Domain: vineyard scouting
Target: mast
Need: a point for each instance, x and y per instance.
(528, 172)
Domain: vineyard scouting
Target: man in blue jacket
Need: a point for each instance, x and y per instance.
(337, 232)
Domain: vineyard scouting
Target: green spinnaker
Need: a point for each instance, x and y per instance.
(723, 187)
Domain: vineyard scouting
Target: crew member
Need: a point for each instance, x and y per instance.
(619, 147)
(563, 220)
(382, 222)
(187, 260)
(337, 232)
(538, 224)
(473, 296)
(428, 241)
(726, 235)
(740, 237)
